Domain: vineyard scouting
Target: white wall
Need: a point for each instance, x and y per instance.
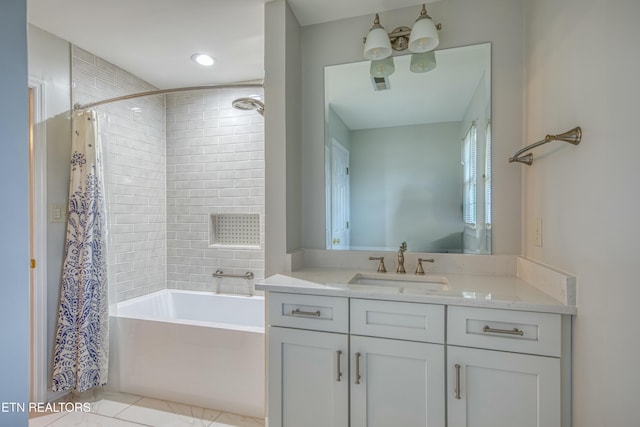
(406, 185)
(341, 42)
(14, 227)
(582, 70)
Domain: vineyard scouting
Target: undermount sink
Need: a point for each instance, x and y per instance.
(400, 284)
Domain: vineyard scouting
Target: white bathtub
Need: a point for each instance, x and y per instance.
(197, 348)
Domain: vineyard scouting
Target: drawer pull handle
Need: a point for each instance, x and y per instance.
(298, 312)
(338, 356)
(457, 391)
(358, 368)
(514, 331)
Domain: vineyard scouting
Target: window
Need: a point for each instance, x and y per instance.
(469, 161)
(487, 178)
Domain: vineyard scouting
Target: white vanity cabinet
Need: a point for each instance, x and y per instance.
(504, 368)
(308, 360)
(345, 361)
(318, 378)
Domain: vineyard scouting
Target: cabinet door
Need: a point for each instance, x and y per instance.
(497, 389)
(308, 379)
(396, 383)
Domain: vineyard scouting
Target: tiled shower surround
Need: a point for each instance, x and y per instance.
(215, 166)
(171, 164)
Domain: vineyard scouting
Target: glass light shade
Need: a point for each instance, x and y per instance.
(423, 62)
(424, 36)
(377, 45)
(382, 67)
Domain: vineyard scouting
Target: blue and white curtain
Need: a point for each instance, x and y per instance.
(82, 341)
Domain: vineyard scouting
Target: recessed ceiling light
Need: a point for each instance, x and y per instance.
(202, 59)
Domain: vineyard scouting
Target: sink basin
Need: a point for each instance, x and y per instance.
(400, 284)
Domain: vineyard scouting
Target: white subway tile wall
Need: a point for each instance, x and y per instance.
(215, 166)
(134, 139)
(173, 161)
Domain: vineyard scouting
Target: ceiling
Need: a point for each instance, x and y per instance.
(154, 39)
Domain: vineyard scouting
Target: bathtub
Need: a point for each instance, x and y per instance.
(197, 348)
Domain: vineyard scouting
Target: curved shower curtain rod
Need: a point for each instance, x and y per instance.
(78, 106)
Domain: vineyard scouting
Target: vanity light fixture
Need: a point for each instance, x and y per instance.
(202, 59)
(377, 44)
(424, 35)
(420, 39)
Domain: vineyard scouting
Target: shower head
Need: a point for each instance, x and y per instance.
(249, 104)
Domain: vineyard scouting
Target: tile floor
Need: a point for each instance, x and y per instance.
(109, 409)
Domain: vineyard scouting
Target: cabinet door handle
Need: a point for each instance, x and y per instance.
(298, 312)
(358, 368)
(338, 356)
(457, 391)
(514, 331)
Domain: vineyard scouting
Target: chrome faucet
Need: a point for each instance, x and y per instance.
(403, 248)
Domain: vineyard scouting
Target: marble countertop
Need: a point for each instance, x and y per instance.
(504, 292)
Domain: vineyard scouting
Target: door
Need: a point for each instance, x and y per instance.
(308, 378)
(396, 383)
(489, 388)
(339, 196)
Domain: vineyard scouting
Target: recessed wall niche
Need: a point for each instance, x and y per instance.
(234, 230)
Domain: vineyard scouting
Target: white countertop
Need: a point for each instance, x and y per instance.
(504, 292)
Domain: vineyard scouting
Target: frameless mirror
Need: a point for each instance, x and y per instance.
(407, 154)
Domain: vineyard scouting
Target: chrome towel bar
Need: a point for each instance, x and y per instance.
(572, 136)
(248, 275)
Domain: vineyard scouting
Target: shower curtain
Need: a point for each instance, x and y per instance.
(82, 343)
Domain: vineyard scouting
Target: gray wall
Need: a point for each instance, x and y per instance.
(50, 64)
(406, 185)
(14, 227)
(341, 41)
(282, 136)
(587, 195)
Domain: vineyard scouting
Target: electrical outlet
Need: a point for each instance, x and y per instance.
(537, 233)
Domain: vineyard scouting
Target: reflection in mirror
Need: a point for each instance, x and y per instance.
(407, 155)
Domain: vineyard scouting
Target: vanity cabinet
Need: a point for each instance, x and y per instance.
(340, 361)
(504, 368)
(320, 374)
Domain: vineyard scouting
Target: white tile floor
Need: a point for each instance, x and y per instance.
(109, 409)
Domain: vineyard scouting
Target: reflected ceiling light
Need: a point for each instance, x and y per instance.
(424, 35)
(382, 67)
(202, 59)
(377, 44)
(423, 62)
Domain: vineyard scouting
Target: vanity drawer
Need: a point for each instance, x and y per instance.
(314, 312)
(399, 320)
(507, 330)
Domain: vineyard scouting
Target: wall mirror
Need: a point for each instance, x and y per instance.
(407, 154)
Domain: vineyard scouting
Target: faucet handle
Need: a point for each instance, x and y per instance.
(381, 267)
(419, 269)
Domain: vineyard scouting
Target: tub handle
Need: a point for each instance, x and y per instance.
(338, 356)
(298, 312)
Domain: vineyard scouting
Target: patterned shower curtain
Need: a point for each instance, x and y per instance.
(82, 341)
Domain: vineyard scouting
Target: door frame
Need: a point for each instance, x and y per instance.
(38, 209)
